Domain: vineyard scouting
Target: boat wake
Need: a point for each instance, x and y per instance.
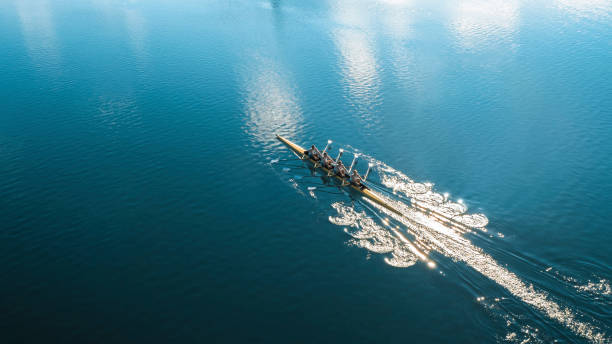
(431, 222)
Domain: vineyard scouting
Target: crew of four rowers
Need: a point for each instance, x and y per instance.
(336, 166)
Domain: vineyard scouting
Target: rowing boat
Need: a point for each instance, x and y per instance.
(363, 189)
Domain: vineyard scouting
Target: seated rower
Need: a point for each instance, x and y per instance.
(314, 153)
(340, 170)
(328, 162)
(356, 178)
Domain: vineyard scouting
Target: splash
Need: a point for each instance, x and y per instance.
(599, 288)
(401, 259)
(367, 234)
(422, 196)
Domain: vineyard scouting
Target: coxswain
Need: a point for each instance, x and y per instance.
(328, 162)
(340, 170)
(356, 178)
(314, 153)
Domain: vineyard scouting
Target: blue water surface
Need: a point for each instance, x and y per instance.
(138, 202)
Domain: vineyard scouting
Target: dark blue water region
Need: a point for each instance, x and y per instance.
(138, 202)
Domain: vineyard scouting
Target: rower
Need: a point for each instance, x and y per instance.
(328, 163)
(356, 178)
(314, 153)
(340, 170)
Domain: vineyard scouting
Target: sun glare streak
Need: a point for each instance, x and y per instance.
(478, 23)
(359, 68)
(354, 41)
(137, 30)
(135, 23)
(271, 105)
(592, 9)
(396, 19)
(38, 28)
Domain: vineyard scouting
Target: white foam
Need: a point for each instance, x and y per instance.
(601, 287)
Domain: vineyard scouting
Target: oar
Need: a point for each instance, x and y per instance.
(417, 206)
(293, 166)
(329, 192)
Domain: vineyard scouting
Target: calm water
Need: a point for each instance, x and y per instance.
(138, 202)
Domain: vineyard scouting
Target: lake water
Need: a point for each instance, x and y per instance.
(144, 197)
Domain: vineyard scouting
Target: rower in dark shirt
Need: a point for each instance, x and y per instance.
(314, 153)
(328, 162)
(356, 178)
(340, 170)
